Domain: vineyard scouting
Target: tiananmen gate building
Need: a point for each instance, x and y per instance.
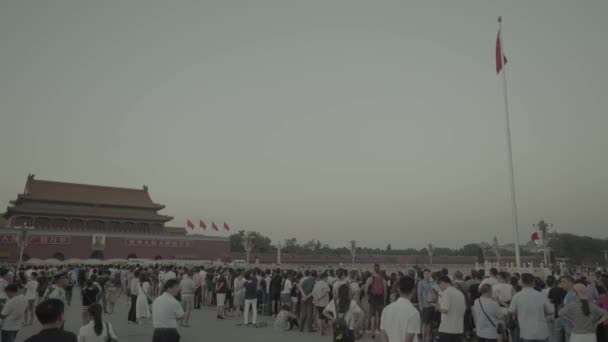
(89, 221)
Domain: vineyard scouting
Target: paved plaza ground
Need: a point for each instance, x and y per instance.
(204, 327)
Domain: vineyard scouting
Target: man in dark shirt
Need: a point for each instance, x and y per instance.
(251, 297)
(50, 314)
(275, 292)
(556, 294)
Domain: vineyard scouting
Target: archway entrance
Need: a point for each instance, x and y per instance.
(97, 255)
(59, 256)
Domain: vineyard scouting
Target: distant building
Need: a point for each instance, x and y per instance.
(84, 221)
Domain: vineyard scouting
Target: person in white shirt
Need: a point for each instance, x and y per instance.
(166, 311)
(400, 321)
(355, 289)
(3, 284)
(142, 306)
(58, 290)
(530, 308)
(170, 275)
(31, 295)
(503, 291)
(492, 280)
(452, 306)
(286, 291)
(320, 295)
(187, 286)
(96, 330)
(204, 289)
(487, 314)
(13, 313)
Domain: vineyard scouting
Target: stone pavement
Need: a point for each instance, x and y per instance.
(204, 327)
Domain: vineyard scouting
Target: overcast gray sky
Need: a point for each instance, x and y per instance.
(379, 121)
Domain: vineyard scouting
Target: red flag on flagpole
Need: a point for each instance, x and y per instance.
(202, 225)
(500, 62)
(535, 236)
(226, 226)
(189, 224)
(214, 226)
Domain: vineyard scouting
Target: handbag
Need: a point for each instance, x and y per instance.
(109, 338)
(500, 330)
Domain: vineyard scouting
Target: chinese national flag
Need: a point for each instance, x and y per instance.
(226, 226)
(189, 224)
(214, 226)
(202, 225)
(500, 62)
(535, 236)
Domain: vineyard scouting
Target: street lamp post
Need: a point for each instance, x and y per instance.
(248, 245)
(497, 250)
(430, 250)
(544, 227)
(353, 251)
(22, 241)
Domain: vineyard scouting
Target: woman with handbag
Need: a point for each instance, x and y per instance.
(142, 306)
(488, 316)
(96, 330)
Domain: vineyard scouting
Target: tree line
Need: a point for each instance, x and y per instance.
(577, 249)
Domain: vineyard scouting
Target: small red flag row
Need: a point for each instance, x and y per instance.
(202, 224)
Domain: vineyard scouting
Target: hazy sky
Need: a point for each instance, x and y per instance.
(379, 121)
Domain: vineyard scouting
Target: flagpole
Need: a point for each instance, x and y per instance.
(509, 152)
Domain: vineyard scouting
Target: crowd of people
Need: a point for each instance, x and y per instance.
(411, 305)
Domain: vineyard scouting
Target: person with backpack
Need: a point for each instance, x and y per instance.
(58, 290)
(345, 315)
(377, 298)
(43, 284)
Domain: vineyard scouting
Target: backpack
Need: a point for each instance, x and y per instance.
(377, 286)
(48, 292)
(340, 329)
(42, 287)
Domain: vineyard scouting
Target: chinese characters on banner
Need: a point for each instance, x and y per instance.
(159, 243)
(39, 239)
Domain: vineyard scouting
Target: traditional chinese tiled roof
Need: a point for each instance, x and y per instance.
(59, 199)
(84, 193)
(89, 212)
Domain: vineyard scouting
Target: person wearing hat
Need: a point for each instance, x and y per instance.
(58, 291)
(583, 315)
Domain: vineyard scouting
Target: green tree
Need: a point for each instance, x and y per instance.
(481, 258)
(578, 249)
(263, 244)
(291, 246)
(470, 249)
